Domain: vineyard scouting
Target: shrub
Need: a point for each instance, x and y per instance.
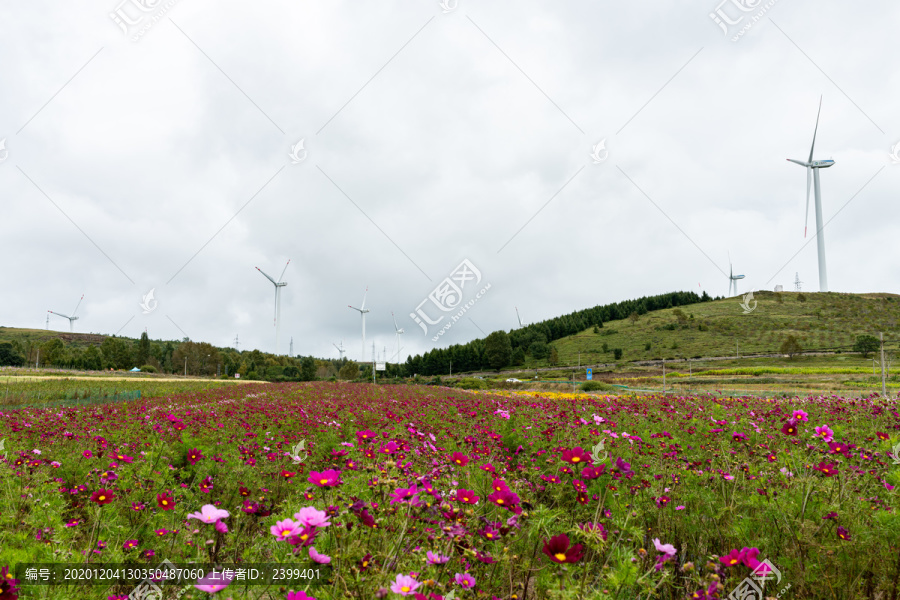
(617, 353)
(593, 386)
(148, 369)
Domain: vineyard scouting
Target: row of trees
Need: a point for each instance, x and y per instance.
(501, 349)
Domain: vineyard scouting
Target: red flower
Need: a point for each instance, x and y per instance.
(843, 533)
(576, 456)
(790, 428)
(194, 455)
(165, 501)
(559, 550)
(467, 496)
(828, 470)
(103, 496)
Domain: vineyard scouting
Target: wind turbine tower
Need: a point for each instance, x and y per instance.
(732, 279)
(278, 285)
(399, 331)
(340, 349)
(812, 174)
(362, 312)
(521, 323)
(71, 319)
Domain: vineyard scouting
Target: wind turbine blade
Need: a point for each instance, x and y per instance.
(77, 305)
(266, 276)
(813, 147)
(285, 269)
(363, 305)
(395, 321)
(808, 183)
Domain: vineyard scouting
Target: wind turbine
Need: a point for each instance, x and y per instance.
(278, 285)
(812, 173)
(71, 319)
(340, 349)
(362, 312)
(399, 332)
(521, 324)
(732, 279)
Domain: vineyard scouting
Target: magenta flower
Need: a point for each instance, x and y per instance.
(800, 415)
(102, 496)
(209, 514)
(460, 459)
(318, 557)
(464, 580)
(329, 478)
(301, 595)
(576, 456)
(466, 496)
(404, 585)
(436, 559)
(843, 533)
(790, 428)
(825, 433)
(194, 455)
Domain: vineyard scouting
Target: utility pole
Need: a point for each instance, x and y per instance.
(451, 368)
(690, 372)
(573, 382)
(38, 359)
(185, 366)
(883, 387)
(579, 360)
(664, 376)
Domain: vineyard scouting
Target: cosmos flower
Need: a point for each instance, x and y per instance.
(311, 517)
(436, 559)
(194, 455)
(165, 501)
(558, 549)
(328, 478)
(213, 582)
(103, 496)
(318, 557)
(825, 433)
(209, 514)
(843, 534)
(464, 580)
(576, 456)
(404, 585)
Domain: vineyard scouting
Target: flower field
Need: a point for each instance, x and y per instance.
(426, 492)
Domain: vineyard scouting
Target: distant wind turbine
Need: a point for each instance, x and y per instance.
(399, 332)
(812, 167)
(362, 312)
(732, 279)
(71, 319)
(278, 285)
(340, 349)
(521, 323)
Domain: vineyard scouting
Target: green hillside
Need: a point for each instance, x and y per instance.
(820, 321)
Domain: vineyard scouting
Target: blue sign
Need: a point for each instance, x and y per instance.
(589, 373)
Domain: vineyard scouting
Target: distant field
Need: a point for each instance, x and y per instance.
(30, 390)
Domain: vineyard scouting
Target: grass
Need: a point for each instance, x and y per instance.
(824, 322)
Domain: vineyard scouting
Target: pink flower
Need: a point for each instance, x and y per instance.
(318, 557)
(311, 517)
(436, 559)
(464, 580)
(282, 530)
(301, 595)
(667, 549)
(404, 585)
(213, 582)
(209, 514)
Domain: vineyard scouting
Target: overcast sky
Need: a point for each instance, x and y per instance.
(148, 146)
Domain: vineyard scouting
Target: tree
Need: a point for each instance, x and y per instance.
(634, 317)
(617, 353)
(497, 350)
(518, 357)
(865, 344)
(596, 329)
(801, 298)
(143, 350)
(554, 356)
(9, 356)
(349, 371)
(791, 346)
(539, 350)
(308, 369)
